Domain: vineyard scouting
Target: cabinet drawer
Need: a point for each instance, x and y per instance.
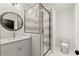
(14, 45)
(3, 53)
(2, 48)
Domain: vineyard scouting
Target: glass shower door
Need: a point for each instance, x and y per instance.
(46, 31)
(37, 22)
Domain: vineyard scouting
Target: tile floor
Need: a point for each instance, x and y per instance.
(59, 53)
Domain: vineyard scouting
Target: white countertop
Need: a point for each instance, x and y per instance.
(9, 40)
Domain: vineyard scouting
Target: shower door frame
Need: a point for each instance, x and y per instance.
(41, 32)
(43, 29)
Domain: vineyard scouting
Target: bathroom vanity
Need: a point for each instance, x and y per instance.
(15, 46)
(20, 46)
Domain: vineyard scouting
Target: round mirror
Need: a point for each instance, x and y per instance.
(11, 21)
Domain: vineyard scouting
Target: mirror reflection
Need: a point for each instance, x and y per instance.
(11, 21)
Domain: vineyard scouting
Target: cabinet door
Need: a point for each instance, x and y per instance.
(22, 50)
(2, 50)
(3, 54)
(28, 47)
(12, 52)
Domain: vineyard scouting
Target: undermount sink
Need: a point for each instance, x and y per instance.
(19, 37)
(8, 40)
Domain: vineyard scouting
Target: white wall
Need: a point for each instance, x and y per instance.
(77, 26)
(65, 26)
(53, 29)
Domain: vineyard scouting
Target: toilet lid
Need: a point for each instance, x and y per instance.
(64, 44)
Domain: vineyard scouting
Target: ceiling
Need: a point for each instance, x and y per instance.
(60, 6)
(57, 6)
(27, 5)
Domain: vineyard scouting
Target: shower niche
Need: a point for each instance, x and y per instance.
(37, 22)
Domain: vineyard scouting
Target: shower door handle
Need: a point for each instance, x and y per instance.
(42, 31)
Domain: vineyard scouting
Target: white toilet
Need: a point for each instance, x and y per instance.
(64, 46)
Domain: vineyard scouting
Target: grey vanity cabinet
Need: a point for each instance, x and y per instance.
(18, 48)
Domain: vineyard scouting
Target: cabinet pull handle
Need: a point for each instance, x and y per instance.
(19, 49)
